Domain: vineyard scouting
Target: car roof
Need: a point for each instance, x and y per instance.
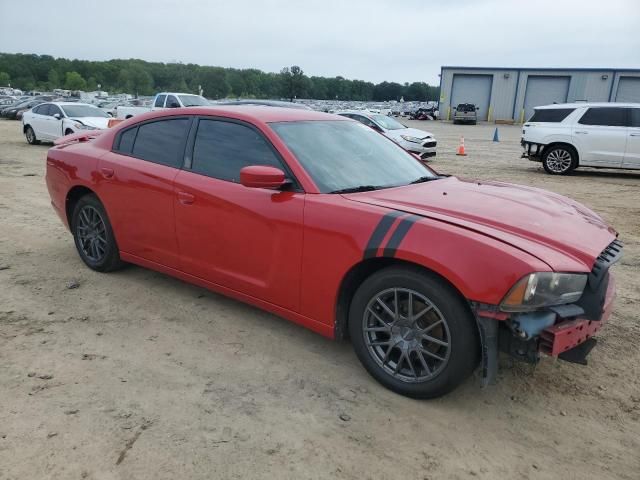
(587, 104)
(260, 113)
(62, 104)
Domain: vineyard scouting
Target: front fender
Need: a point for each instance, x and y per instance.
(482, 268)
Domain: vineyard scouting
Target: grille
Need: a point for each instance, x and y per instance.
(608, 257)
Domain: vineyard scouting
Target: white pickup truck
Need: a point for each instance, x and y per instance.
(160, 102)
(177, 100)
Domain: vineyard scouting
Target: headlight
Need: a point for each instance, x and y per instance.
(82, 126)
(411, 139)
(544, 289)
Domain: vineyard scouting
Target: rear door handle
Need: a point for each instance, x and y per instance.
(186, 198)
(582, 132)
(634, 134)
(107, 172)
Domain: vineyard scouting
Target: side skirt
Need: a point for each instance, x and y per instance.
(316, 326)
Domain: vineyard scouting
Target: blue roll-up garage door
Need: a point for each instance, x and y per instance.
(474, 89)
(544, 90)
(628, 90)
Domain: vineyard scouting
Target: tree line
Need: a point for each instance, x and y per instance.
(44, 72)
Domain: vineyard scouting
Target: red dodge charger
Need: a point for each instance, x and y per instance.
(323, 221)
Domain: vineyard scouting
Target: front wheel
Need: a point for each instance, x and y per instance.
(559, 160)
(31, 136)
(413, 333)
(93, 235)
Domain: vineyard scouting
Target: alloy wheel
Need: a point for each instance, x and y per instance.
(92, 233)
(406, 335)
(559, 160)
(30, 136)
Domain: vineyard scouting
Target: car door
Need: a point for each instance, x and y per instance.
(136, 185)
(55, 125)
(245, 239)
(632, 152)
(39, 120)
(601, 136)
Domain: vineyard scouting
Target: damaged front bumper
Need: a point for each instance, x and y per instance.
(563, 331)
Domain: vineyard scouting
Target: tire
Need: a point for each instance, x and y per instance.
(560, 160)
(93, 235)
(382, 343)
(31, 136)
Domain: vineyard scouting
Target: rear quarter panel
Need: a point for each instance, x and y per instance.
(68, 166)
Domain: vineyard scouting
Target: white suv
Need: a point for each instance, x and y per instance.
(567, 136)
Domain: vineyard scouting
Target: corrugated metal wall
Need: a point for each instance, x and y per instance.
(509, 88)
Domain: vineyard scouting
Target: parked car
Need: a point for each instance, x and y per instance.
(13, 111)
(425, 113)
(567, 136)
(465, 113)
(178, 100)
(323, 221)
(49, 121)
(413, 140)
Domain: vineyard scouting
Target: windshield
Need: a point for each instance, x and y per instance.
(341, 155)
(193, 100)
(387, 122)
(82, 111)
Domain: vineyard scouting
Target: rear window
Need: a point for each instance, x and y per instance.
(605, 116)
(551, 115)
(466, 107)
(162, 141)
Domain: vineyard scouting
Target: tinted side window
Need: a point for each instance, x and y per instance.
(551, 115)
(172, 102)
(364, 120)
(221, 149)
(162, 141)
(605, 116)
(53, 109)
(43, 109)
(127, 138)
(159, 101)
(635, 117)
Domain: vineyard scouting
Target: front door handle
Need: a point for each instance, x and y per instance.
(107, 172)
(582, 132)
(634, 134)
(186, 198)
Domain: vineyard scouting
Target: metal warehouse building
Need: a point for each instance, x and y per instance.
(509, 94)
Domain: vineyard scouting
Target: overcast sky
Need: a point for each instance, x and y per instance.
(375, 40)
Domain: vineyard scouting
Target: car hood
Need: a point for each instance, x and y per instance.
(411, 132)
(96, 122)
(564, 234)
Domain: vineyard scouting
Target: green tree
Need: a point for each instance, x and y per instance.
(74, 81)
(5, 79)
(214, 82)
(53, 79)
(294, 82)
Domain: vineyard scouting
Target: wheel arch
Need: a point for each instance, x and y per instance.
(360, 272)
(559, 143)
(73, 195)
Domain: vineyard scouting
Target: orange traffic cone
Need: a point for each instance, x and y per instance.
(461, 151)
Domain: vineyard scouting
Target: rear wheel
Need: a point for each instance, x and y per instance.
(560, 160)
(93, 235)
(31, 136)
(413, 333)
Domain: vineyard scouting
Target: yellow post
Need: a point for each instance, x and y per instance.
(448, 113)
(522, 116)
(489, 113)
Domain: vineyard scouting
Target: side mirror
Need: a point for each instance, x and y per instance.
(262, 176)
(57, 116)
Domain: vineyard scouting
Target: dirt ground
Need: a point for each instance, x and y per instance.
(136, 375)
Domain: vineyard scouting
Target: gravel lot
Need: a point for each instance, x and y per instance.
(138, 375)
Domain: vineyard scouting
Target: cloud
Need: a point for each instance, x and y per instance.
(374, 40)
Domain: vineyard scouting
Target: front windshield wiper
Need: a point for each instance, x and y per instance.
(359, 188)
(424, 179)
